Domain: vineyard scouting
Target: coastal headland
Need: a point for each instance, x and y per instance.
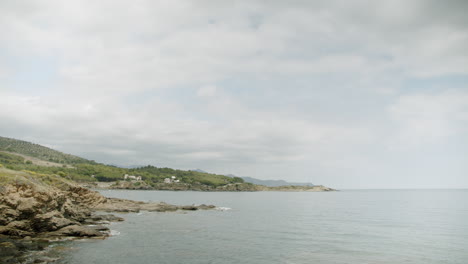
(46, 196)
(232, 187)
(36, 209)
(25, 156)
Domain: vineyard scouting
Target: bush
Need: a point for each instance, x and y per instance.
(237, 180)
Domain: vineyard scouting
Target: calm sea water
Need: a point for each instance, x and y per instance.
(372, 226)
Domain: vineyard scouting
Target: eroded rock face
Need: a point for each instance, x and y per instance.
(50, 221)
(39, 212)
(29, 210)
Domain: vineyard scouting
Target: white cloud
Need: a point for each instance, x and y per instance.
(430, 118)
(207, 91)
(182, 83)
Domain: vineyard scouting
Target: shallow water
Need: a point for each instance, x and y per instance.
(372, 226)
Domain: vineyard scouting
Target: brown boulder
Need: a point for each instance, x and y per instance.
(21, 225)
(50, 221)
(77, 231)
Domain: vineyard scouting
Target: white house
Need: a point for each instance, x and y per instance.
(132, 177)
(172, 179)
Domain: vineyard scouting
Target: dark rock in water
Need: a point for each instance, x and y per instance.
(76, 231)
(107, 217)
(19, 251)
(8, 249)
(189, 207)
(206, 207)
(122, 205)
(99, 228)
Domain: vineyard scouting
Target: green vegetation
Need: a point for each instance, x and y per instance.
(157, 175)
(88, 171)
(6, 158)
(38, 151)
(31, 178)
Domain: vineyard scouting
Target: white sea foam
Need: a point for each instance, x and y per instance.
(114, 232)
(223, 208)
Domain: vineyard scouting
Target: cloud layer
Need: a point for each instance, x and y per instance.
(357, 94)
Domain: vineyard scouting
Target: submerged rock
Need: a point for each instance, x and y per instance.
(20, 251)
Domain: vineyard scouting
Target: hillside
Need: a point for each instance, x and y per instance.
(37, 151)
(24, 156)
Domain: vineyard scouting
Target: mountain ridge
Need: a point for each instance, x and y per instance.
(268, 183)
(275, 183)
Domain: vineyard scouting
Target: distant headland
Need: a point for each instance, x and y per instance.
(46, 196)
(29, 157)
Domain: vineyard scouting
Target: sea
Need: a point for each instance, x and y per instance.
(349, 226)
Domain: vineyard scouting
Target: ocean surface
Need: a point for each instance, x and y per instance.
(355, 226)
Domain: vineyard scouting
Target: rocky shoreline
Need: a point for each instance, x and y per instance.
(233, 187)
(36, 210)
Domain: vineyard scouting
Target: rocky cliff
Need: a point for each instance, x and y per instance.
(40, 207)
(33, 205)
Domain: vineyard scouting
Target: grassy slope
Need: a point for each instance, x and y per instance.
(38, 151)
(39, 180)
(83, 170)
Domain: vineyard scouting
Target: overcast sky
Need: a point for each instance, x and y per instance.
(348, 94)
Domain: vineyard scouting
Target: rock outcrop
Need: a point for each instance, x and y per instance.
(35, 207)
(29, 209)
(122, 205)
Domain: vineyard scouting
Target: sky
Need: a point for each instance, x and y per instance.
(348, 94)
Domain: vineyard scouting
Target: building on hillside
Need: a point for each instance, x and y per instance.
(132, 177)
(172, 179)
